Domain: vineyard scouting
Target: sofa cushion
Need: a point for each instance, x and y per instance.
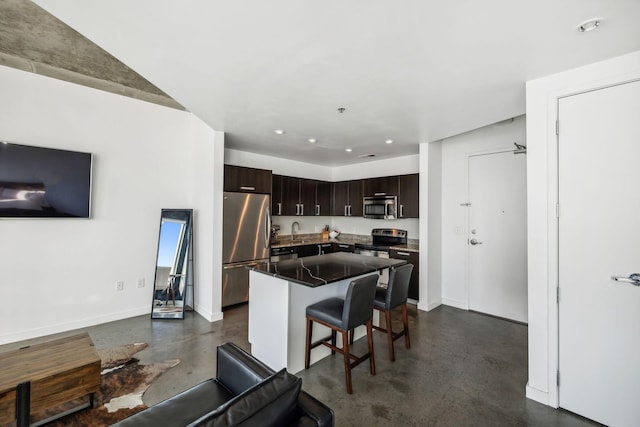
(238, 370)
(183, 408)
(269, 403)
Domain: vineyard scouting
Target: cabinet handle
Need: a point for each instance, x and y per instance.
(401, 210)
(349, 210)
(403, 253)
(301, 208)
(279, 208)
(343, 246)
(379, 194)
(317, 209)
(248, 188)
(345, 210)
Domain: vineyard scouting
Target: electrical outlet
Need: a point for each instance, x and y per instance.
(120, 285)
(141, 282)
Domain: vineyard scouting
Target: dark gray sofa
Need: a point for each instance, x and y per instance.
(245, 392)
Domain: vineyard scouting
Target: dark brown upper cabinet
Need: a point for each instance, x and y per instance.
(247, 180)
(307, 188)
(293, 196)
(298, 197)
(409, 196)
(383, 186)
(323, 198)
(347, 198)
(276, 195)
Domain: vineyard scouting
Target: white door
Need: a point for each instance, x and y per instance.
(599, 237)
(497, 239)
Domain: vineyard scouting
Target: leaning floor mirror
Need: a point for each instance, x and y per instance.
(173, 285)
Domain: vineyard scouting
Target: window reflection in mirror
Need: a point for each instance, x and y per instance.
(173, 285)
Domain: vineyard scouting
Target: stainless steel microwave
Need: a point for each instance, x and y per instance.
(380, 207)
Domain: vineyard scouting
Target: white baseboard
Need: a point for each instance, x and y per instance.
(538, 395)
(429, 306)
(455, 303)
(70, 326)
(211, 317)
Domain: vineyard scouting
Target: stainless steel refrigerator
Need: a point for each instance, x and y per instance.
(245, 242)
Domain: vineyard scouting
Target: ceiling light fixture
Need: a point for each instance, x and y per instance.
(348, 150)
(389, 141)
(589, 25)
(312, 140)
(279, 131)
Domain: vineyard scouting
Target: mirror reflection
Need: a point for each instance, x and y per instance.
(173, 285)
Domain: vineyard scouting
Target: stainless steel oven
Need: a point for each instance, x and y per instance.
(381, 240)
(380, 207)
(383, 280)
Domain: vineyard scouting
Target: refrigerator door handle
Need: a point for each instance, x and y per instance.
(267, 229)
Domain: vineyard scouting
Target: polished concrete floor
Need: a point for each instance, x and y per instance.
(463, 369)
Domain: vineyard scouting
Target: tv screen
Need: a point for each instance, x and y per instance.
(38, 182)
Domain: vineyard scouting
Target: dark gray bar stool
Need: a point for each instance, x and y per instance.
(342, 315)
(395, 295)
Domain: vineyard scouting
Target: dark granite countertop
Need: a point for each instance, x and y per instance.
(349, 239)
(320, 270)
(409, 247)
(316, 239)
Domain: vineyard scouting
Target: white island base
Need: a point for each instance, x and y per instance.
(277, 320)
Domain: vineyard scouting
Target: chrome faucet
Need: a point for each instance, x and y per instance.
(293, 229)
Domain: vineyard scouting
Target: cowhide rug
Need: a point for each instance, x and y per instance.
(124, 381)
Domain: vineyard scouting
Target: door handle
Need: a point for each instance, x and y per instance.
(267, 231)
(475, 242)
(634, 279)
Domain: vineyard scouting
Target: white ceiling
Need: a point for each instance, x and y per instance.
(413, 71)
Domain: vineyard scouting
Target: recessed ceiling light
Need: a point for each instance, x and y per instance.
(589, 25)
(312, 140)
(389, 141)
(348, 150)
(279, 131)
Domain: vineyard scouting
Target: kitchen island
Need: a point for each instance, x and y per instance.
(279, 294)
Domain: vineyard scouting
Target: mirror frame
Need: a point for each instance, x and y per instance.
(179, 286)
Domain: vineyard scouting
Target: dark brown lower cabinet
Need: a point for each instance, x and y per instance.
(411, 258)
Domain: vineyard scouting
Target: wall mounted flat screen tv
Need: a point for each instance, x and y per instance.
(37, 182)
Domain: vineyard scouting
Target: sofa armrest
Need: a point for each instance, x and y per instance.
(238, 370)
(310, 408)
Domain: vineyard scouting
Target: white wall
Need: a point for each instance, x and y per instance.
(430, 161)
(385, 167)
(398, 166)
(433, 258)
(542, 97)
(279, 166)
(60, 274)
(455, 152)
(205, 191)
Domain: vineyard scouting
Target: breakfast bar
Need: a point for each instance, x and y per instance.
(279, 294)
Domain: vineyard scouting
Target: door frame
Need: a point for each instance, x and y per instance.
(566, 166)
(551, 335)
(467, 258)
